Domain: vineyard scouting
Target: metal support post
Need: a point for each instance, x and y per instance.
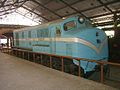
(102, 73)
(79, 69)
(62, 63)
(50, 61)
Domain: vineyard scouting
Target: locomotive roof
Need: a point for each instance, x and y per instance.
(39, 26)
(44, 25)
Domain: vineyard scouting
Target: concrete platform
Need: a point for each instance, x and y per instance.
(19, 74)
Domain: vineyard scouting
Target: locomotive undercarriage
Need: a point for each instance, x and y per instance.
(69, 66)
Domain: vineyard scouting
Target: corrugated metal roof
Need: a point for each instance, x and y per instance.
(42, 11)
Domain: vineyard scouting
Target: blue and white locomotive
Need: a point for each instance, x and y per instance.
(74, 36)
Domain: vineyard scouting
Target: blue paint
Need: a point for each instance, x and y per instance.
(54, 30)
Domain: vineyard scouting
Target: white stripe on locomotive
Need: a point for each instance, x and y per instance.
(77, 40)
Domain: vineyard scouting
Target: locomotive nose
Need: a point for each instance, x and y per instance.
(94, 41)
(93, 36)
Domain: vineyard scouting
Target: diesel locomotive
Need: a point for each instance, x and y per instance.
(74, 36)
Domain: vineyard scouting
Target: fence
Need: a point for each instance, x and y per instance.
(27, 54)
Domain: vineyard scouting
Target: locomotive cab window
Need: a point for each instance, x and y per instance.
(69, 25)
(58, 32)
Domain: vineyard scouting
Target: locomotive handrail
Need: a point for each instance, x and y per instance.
(69, 57)
(101, 63)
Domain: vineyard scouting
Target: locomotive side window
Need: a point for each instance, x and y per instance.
(58, 32)
(46, 32)
(69, 25)
(17, 37)
(42, 33)
(22, 34)
(39, 33)
(29, 36)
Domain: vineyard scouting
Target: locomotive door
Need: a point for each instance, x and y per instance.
(53, 40)
(54, 34)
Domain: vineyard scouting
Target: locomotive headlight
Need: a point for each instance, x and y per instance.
(81, 20)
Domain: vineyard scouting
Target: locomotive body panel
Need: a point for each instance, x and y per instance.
(69, 37)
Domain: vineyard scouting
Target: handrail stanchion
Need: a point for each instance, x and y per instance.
(108, 71)
(41, 59)
(28, 56)
(62, 63)
(12, 52)
(50, 61)
(102, 73)
(23, 54)
(33, 57)
(16, 52)
(8, 51)
(19, 53)
(79, 68)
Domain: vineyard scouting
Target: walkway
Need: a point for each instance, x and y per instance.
(19, 74)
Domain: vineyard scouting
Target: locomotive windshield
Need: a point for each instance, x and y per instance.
(69, 25)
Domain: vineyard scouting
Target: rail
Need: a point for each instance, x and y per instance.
(23, 53)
